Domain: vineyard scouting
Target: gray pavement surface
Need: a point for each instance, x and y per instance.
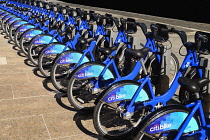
(28, 107)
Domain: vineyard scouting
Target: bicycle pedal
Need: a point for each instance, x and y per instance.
(80, 100)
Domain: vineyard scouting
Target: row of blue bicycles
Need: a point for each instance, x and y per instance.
(94, 60)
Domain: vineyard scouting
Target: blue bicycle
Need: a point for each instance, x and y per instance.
(72, 41)
(97, 51)
(45, 24)
(176, 122)
(41, 40)
(88, 80)
(121, 107)
(35, 21)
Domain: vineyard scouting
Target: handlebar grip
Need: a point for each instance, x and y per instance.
(202, 38)
(154, 29)
(116, 21)
(181, 34)
(143, 27)
(123, 23)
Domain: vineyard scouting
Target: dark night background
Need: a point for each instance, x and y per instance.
(191, 10)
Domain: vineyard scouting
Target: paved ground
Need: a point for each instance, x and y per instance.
(28, 108)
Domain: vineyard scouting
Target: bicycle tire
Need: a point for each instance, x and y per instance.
(144, 133)
(8, 24)
(33, 53)
(5, 20)
(35, 49)
(12, 29)
(25, 41)
(107, 122)
(83, 99)
(60, 72)
(46, 61)
(18, 34)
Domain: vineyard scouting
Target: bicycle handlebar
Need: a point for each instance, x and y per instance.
(181, 34)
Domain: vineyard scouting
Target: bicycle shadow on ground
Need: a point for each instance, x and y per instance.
(87, 115)
(80, 117)
(20, 53)
(7, 37)
(16, 48)
(37, 72)
(47, 84)
(29, 63)
(10, 41)
(3, 33)
(59, 96)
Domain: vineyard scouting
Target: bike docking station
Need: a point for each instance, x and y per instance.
(162, 80)
(205, 63)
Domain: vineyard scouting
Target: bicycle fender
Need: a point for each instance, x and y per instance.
(94, 71)
(55, 48)
(13, 20)
(43, 39)
(4, 15)
(171, 121)
(32, 32)
(25, 27)
(72, 57)
(8, 16)
(125, 92)
(17, 24)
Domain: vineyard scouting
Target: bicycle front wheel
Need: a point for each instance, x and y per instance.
(164, 124)
(81, 90)
(45, 62)
(107, 117)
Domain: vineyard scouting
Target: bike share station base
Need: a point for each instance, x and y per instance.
(205, 62)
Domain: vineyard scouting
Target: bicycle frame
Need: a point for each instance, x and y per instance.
(191, 59)
(115, 73)
(196, 106)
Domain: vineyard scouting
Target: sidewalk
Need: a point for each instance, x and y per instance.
(28, 109)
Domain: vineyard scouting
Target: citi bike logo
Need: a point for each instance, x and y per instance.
(84, 74)
(66, 60)
(50, 51)
(28, 35)
(22, 30)
(16, 25)
(115, 97)
(158, 127)
(39, 41)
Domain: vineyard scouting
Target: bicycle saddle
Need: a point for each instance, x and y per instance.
(106, 51)
(35, 16)
(85, 40)
(137, 53)
(193, 85)
(43, 19)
